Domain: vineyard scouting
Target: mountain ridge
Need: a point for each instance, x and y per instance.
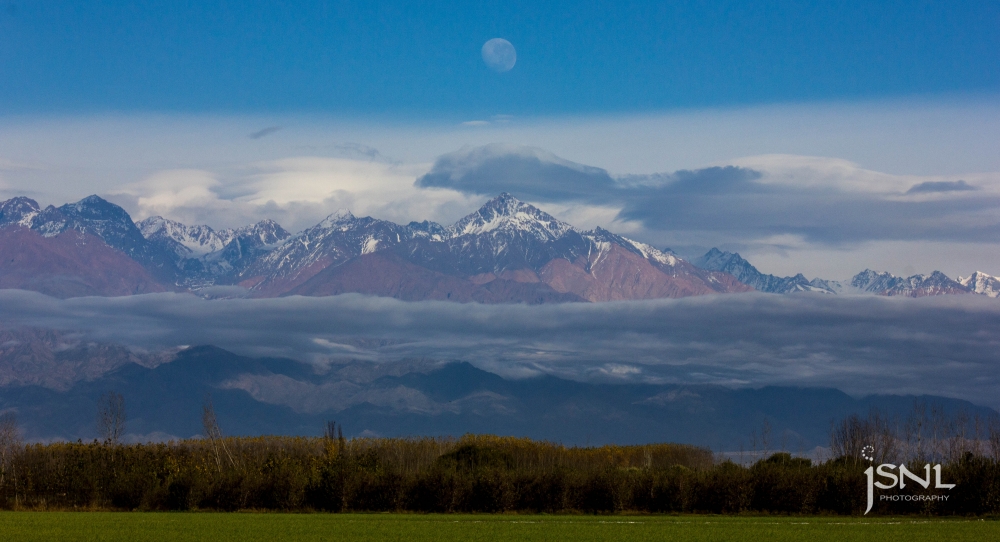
(865, 282)
(528, 255)
(254, 396)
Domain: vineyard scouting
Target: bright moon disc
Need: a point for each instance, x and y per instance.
(499, 55)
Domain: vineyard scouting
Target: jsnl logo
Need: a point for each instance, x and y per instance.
(884, 470)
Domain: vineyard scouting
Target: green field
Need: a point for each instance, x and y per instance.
(377, 527)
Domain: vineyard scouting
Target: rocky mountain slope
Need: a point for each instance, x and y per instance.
(74, 228)
(865, 282)
(280, 396)
(882, 283)
(204, 255)
(507, 251)
(981, 283)
(513, 250)
(734, 264)
(59, 360)
(69, 263)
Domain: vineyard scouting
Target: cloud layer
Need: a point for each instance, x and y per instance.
(863, 345)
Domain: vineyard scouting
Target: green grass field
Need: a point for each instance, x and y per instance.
(411, 527)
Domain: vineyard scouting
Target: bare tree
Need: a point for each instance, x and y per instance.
(213, 433)
(341, 443)
(10, 444)
(765, 435)
(916, 427)
(111, 417)
(978, 432)
(885, 431)
(993, 436)
(850, 437)
(330, 431)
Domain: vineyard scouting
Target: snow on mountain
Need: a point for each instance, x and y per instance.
(265, 232)
(205, 255)
(90, 247)
(884, 283)
(602, 239)
(507, 214)
(833, 286)
(734, 264)
(506, 251)
(504, 235)
(338, 238)
(867, 282)
(981, 283)
(187, 241)
(196, 241)
(19, 211)
(505, 240)
(427, 230)
(511, 240)
(100, 218)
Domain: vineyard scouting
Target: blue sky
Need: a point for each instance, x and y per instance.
(422, 59)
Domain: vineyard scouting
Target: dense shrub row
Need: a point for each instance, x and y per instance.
(471, 474)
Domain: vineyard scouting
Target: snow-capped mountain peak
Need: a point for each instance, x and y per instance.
(734, 264)
(505, 250)
(507, 214)
(427, 229)
(195, 240)
(716, 260)
(885, 283)
(265, 232)
(981, 283)
(604, 238)
(340, 219)
(20, 210)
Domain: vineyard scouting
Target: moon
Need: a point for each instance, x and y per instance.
(499, 55)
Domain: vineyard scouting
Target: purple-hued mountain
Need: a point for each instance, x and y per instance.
(505, 252)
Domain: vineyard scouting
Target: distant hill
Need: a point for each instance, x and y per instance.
(281, 396)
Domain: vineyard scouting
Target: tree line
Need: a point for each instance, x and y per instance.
(485, 473)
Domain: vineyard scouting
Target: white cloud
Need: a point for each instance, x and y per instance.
(588, 217)
(297, 192)
(818, 172)
(171, 193)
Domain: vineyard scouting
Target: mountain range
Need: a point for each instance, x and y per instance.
(163, 399)
(865, 282)
(507, 251)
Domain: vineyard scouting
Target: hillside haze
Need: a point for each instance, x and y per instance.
(285, 397)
